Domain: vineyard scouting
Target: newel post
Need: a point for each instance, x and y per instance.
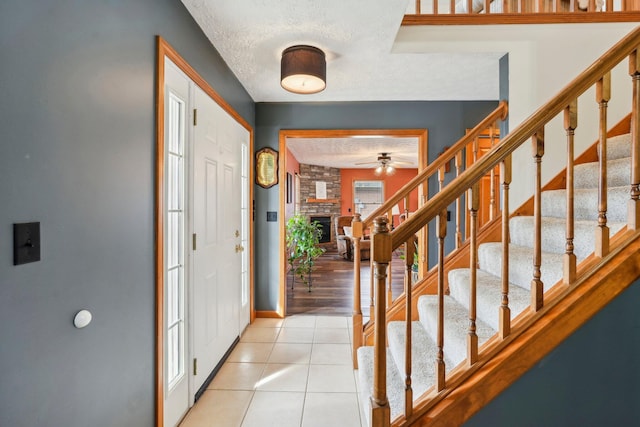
(381, 255)
(356, 226)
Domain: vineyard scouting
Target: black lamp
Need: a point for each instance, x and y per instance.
(303, 69)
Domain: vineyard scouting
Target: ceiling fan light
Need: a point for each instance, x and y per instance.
(390, 170)
(378, 170)
(303, 69)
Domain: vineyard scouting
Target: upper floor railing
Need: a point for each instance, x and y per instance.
(476, 12)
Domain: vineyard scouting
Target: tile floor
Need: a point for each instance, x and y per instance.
(294, 372)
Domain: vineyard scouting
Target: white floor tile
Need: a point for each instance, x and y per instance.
(290, 353)
(331, 322)
(218, 409)
(331, 378)
(237, 376)
(331, 409)
(293, 372)
(262, 322)
(331, 336)
(252, 334)
(251, 352)
(284, 377)
(275, 409)
(296, 335)
(300, 321)
(331, 354)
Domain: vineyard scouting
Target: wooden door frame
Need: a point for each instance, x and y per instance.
(165, 50)
(421, 134)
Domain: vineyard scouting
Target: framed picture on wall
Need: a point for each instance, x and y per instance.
(266, 167)
(289, 188)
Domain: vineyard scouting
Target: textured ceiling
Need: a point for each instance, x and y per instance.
(364, 61)
(358, 39)
(349, 152)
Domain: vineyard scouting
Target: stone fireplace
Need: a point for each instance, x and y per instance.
(323, 210)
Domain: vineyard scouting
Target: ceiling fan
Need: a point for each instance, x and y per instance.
(385, 164)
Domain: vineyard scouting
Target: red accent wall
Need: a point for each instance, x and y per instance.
(391, 185)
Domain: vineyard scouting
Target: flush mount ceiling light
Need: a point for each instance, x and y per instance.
(303, 69)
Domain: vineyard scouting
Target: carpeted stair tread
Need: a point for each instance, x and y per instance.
(423, 354)
(619, 146)
(520, 264)
(522, 233)
(586, 203)
(587, 175)
(456, 327)
(488, 295)
(395, 383)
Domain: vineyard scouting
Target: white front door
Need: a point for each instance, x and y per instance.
(206, 230)
(217, 230)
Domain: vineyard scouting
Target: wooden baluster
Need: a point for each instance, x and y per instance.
(506, 8)
(372, 293)
(591, 7)
(609, 5)
(603, 95)
(419, 7)
(475, 149)
(441, 226)
(435, 7)
(389, 275)
(505, 311)
(406, 207)
(452, 7)
(487, 6)
(381, 251)
(540, 6)
(634, 204)
(492, 183)
(458, 163)
(473, 197)
(441, 173)
(356, 227)
(423, 235)
(537, 287)
(572, 5)
(469, 6)
(409, 249)
(569, 260)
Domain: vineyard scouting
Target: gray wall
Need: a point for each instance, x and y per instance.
(591, 380)
(77, 86)
(446, 122)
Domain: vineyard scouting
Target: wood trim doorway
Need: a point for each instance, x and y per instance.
(421, 134)
(165, 50)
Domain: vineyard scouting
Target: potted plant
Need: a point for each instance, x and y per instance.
(303, 238)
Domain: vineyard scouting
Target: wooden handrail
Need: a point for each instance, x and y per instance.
(517, 137)
(385, 241)
(499, 113)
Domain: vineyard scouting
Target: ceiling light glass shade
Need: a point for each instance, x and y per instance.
(303, 69)
(379, 170)
(390, 170)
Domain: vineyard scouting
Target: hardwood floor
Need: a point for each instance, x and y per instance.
(332, 287)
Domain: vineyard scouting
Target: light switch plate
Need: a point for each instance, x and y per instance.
(26, 243)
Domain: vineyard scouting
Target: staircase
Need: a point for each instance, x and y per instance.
(530, 278)
(489, 282)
